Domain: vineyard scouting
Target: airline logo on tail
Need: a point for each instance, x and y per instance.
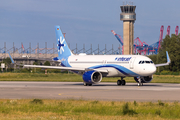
(61, 45)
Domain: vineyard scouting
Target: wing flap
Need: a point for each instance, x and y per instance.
(55, 67)
(66, 68)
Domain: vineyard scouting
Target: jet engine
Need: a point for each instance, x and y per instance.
(92, 77)
(144, 79)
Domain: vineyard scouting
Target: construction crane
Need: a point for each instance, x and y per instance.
(168, 30)
(142, 47)
(138, 45)
(119, 39)
(161, 36)
(154, 48)
(176, 30)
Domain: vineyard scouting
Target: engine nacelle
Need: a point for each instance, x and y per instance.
(92, 77)
(145, 79)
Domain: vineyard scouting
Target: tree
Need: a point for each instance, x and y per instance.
(153, 58)
(7, 61)
(47, 63)
(35, 63)
(172, 45)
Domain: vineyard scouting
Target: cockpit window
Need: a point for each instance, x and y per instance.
(147, 62)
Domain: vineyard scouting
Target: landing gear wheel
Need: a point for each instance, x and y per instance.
(140, 84)
(85, 84)
(123, 82)
(119, 82)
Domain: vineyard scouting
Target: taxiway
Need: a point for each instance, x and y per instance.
(102, 91)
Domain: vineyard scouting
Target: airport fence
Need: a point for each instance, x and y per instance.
(45, 52)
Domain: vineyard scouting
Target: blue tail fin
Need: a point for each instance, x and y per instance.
(63, 49)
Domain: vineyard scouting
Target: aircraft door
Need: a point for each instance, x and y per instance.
(104, 62)
(131, 64)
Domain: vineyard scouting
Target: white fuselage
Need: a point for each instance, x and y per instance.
(117, 65)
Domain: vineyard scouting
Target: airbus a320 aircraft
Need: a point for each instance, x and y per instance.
(94, 67)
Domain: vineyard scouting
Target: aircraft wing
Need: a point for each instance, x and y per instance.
(164, 64)
(61, 68)
(66, 68)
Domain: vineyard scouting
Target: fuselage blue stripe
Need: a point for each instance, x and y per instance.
(121, 69)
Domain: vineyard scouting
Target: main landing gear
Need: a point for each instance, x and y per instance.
(121, 82)
(85, 84)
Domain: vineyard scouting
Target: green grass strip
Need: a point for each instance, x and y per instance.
(83, 109)
(65, 77)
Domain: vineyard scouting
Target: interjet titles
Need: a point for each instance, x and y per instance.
(122, 59)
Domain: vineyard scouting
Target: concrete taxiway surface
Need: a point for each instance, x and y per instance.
(102, 91)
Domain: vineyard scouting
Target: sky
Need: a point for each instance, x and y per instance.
(84, 21)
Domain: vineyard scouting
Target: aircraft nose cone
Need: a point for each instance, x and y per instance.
(153, 69)
(150, 69)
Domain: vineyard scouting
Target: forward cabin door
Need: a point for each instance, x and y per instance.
(104, 62)
(131, 64)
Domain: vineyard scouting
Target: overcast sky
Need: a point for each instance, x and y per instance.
(84, 21)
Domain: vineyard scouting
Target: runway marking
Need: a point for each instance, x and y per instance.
(72, 96)
(87, 91)
(70, 93)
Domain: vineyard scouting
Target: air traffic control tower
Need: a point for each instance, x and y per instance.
(128, 16)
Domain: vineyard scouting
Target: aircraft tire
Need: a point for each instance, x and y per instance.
(140, 84)
(119, 82)
(85, 84)
(123, 82)
(90, 84)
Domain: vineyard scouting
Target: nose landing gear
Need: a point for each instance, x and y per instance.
(140, 83)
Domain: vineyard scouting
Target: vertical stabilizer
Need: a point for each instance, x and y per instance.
(63, 49)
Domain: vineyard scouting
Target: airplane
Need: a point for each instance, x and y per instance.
(94, 67)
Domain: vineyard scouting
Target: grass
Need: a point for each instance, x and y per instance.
(65, 77)
(82, 109)
(56, 77)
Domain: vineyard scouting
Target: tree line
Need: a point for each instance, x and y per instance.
(172, 45)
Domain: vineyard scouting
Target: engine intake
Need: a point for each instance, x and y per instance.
(92, 77)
